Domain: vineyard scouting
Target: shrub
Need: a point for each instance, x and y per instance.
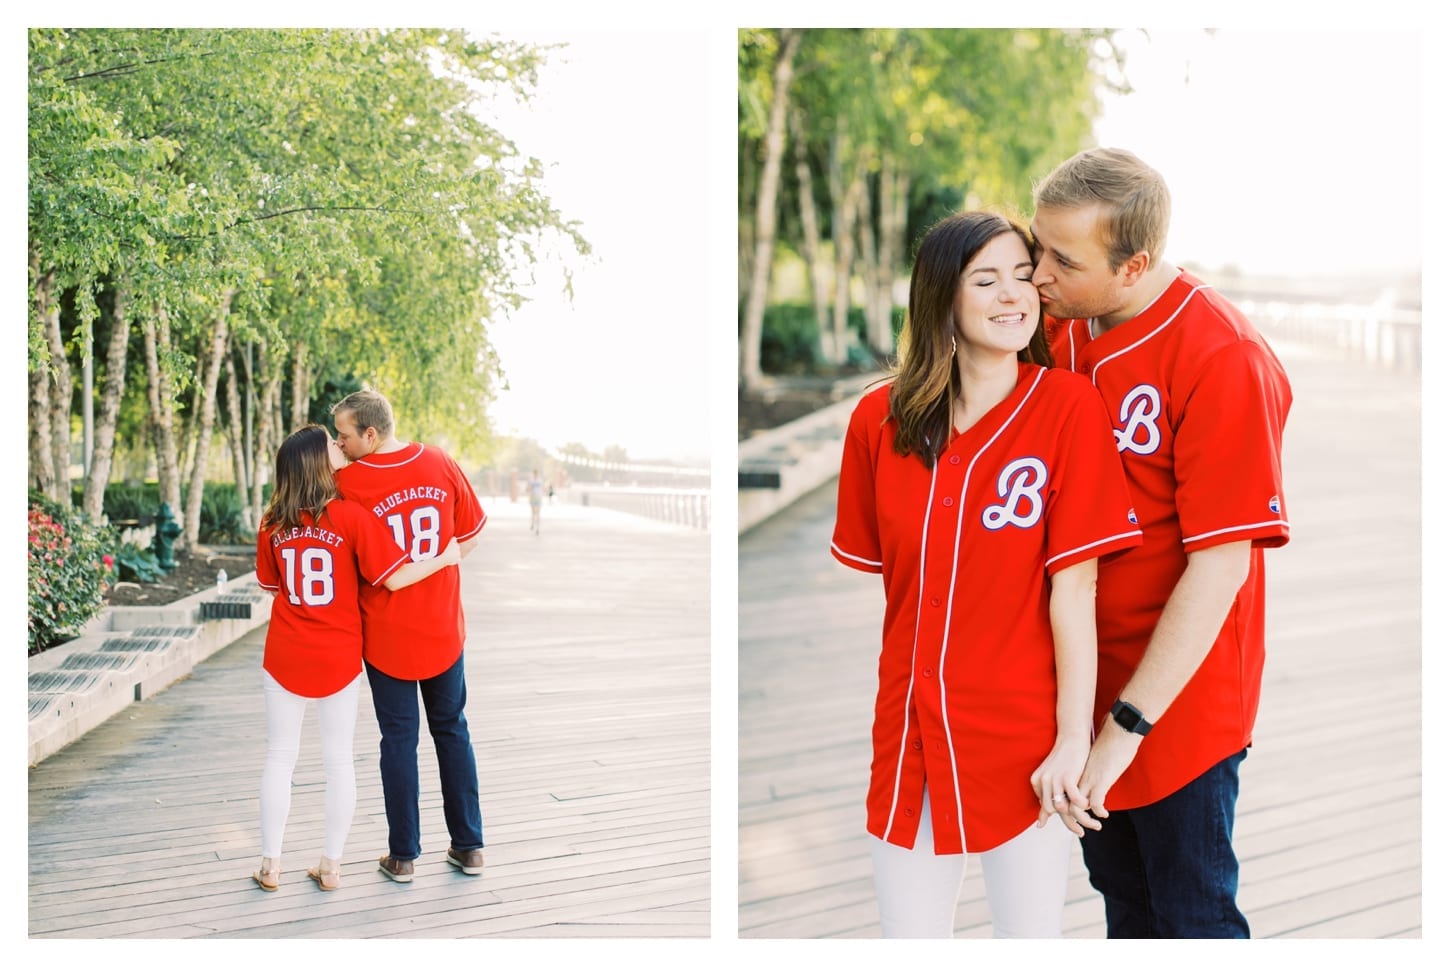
(69, 569)
(790, 337)
(130, 501)
(137, 563)
(221, 516)
(221, 509)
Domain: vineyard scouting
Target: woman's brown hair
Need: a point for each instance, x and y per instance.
(926, 378)
(303, 479)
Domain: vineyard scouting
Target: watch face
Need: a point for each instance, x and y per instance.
(1129, 718)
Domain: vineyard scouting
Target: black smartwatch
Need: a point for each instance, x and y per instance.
(1130, 718)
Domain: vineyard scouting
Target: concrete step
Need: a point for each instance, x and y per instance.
(127, 654)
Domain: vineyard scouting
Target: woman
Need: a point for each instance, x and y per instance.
(983, 487)
(313, 548)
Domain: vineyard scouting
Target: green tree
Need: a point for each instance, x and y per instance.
(273, 210)
(889, 129)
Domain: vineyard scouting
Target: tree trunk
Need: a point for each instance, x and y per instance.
(161, 406)
(42, 466)
(236, 440)
(113, 385)
(60, 397)
(268, 388)
(301, 381)
(749, 191)
(810, 226)
(844, 200)
(866, 230)
(185, 443)
(88, 395)
(753, 325)
(891, 254)
(206, 391)
(42, 470)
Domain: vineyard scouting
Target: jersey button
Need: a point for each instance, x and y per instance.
(955, 460)
(916, 744)
(926, 673)
(910, 811)
(946, 502)
(936, 602)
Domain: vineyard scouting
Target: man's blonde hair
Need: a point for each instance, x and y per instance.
(369, 408)
(1133, 197)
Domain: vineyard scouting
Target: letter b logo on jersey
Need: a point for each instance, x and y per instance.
(1141, 408)
(1020, 483)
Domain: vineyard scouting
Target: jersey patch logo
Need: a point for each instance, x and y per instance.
(1141, 407)
(1274, 503)
(1020, 481)
(1132, 516)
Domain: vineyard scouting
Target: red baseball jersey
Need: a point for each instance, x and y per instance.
(315, 637)
(967, 697)
(1198, 402)
(423, 497)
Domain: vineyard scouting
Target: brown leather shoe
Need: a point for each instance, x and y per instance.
(469, 861)
(399, 871)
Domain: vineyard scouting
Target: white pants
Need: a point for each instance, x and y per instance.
(1025, 877)
(337, 714)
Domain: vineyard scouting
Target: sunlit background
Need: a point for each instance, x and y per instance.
(1286, 152)
(617, 121)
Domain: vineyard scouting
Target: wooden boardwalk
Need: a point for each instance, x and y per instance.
(588, 681)
(1329, 820)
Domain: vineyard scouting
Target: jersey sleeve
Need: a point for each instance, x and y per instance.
(856, 541)
(468, 515)
(1227, 451)
(267, 577)
(378, 554)
(1090, 512)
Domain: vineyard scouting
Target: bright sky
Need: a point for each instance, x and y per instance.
(617, 121)
(1295, 152)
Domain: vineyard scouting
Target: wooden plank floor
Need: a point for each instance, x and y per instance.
(588, 679)
(1329, 820)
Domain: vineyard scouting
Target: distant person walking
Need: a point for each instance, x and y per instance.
(536, 501)
(413, 642)
(314, 552)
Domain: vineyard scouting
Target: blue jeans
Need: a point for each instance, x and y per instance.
(1168, 869)
(395, 700)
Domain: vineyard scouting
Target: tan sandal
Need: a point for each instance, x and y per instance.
(268, 877)
(327, 874)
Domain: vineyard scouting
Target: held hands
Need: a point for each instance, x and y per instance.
(1058, 787)
(451, 554)
(1112, 752)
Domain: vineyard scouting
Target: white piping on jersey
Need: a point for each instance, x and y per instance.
(382, 578)
(1072, 346)
(388, 466)
(1084, 547)
(837, 548)
(1165, 324)
(911, 679)
(1276, 522)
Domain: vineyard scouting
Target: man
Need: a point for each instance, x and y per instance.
(413, 638)
(1198, 403)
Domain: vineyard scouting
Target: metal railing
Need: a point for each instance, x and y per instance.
(1382, 335)
(690, 507)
